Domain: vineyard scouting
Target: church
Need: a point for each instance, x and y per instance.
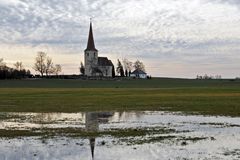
(96, 66)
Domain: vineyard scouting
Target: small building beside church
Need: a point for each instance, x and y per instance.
(138, 74)
(96, 66)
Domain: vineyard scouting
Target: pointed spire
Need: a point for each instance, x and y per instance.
(92, 145)
(90, 45)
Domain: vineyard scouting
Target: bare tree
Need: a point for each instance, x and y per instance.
(49, 66)
(44, 64)
(82, 68)
(126, 73)
(119, 69)
(57, 69)
(2, 63)
(19, 66)
(39, 64)
(138, 65)
(128, 65)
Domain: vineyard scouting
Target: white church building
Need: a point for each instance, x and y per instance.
(96, 66)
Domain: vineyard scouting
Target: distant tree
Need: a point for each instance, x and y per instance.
(49, 69)
(44, 64)
(126, 73)
(22, 73)
(28, 73)
(2, 63)
(4, 70)
(39, 64)
(209, 77)
(82, 68)
(138, 65)
(218, 77)
(128, 65)
(13, 73)
(129, 74)
(19, 66)
(119, 65)
(57, 69)
(119, 69)
(113, 72)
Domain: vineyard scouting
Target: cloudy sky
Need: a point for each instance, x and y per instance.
(174, 38)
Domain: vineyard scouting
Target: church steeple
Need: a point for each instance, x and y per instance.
(90, 45)
(92, 145)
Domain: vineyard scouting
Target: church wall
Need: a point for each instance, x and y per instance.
(91, 61)
(106, 70)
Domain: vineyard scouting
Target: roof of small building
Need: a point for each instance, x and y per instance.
(138, 71)
(104, 61)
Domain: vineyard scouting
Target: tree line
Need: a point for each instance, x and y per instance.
(125, 68)
(13, 73)
(45, 67)
(209, 77)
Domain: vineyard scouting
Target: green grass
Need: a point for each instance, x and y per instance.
(78, 132)
(153, 83)
(208, 97)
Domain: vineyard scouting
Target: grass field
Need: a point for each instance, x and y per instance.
(153, 83)
(212, 97)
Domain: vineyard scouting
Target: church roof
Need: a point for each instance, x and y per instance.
(90, 45)
(138, 71)
(104, 61)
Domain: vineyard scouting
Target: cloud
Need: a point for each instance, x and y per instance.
(10, 2)
(169, 31)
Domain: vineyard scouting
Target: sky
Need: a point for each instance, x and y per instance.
(173, 38)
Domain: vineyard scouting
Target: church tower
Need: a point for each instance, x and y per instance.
(90, 55)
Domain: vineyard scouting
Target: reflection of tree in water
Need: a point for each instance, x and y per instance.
(93, 119)
(46, 117)
(128, 115)
(123, 116)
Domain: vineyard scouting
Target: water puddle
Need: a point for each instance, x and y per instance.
(118, 135)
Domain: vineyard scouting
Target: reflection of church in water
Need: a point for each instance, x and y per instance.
(93, 119)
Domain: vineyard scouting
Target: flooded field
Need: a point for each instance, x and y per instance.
(118, 136)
